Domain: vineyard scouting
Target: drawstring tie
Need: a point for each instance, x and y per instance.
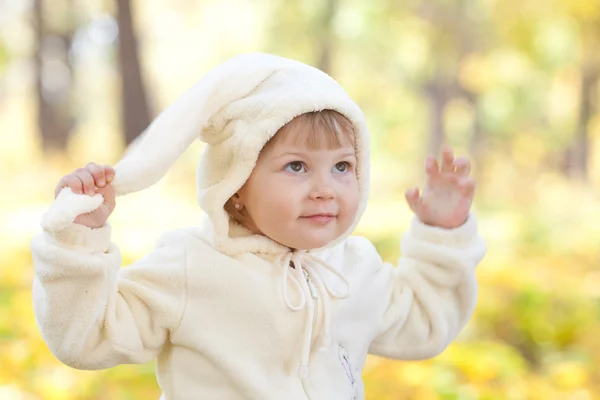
(314, 290)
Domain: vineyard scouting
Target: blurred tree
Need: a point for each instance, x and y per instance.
(560, 41)
(326, 36)
(473, 38)
(53, 72)
(303, 30)
(578, 153)
(455, 36)
(135, 111)
(588, 16)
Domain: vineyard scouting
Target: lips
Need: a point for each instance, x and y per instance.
(320, 218)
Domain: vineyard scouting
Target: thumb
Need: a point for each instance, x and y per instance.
(413, 199)
(108, 193)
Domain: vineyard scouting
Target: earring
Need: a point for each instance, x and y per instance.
(237, 206)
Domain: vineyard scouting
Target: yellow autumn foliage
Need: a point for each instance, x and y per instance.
(534, 335)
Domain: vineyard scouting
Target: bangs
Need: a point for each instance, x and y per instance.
(316, 130)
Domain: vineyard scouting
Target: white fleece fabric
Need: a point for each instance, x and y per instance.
(233, 315)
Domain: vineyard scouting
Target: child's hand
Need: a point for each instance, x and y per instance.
(448, 192)
(91, 180)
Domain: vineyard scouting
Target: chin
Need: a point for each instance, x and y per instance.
(308, 240)
(314, 244)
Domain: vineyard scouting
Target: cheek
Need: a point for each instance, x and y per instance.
(351, 193)
(273, 198)
(350, 201)
(353, 202)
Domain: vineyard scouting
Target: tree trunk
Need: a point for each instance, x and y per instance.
(438, 99)
(578, 153)
(470, 34)
(53, 120)
(326, 37)
(135, 112)
(478, 140)
(455, 38)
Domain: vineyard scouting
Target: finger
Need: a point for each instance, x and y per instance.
(447, 160)
(413, 195)
(87, 181)
(72, 182)
(413, 199)
(431, 166)
(60, 185)
(466, 186)
(109, 173)
(97, 172)
(108, 193)
(463, 166)
(452, 178)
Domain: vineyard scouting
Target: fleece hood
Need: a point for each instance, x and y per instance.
(235, 109)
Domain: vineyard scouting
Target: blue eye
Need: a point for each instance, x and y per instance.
(295, 167)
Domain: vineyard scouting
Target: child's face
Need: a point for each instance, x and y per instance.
(292, 188)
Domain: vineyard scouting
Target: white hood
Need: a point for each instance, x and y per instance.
(235, 109)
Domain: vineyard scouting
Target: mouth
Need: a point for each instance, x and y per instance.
(320, 218)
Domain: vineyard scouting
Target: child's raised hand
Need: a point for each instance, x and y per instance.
(448, 192)
(90, 180)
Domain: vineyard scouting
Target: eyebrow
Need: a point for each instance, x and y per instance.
(300, 154)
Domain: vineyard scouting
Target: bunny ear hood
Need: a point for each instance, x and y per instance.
(235, 109)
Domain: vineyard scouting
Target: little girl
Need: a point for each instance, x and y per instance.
(271, 298)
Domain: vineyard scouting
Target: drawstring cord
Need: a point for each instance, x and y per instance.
(307, 272)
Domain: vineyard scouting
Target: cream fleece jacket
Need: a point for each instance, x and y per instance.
(219, 326)
(233, 315)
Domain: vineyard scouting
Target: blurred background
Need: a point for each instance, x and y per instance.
(512, 84)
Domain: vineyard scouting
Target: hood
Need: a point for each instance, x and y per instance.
(235, 109)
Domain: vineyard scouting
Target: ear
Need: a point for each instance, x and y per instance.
(236, 198)
(236, 202)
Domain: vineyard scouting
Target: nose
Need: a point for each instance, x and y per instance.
(322, 188)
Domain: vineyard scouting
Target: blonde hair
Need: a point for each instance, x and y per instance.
(319, 129)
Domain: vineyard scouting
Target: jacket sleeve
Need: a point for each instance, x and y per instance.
(92, 313)
(429, 297)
